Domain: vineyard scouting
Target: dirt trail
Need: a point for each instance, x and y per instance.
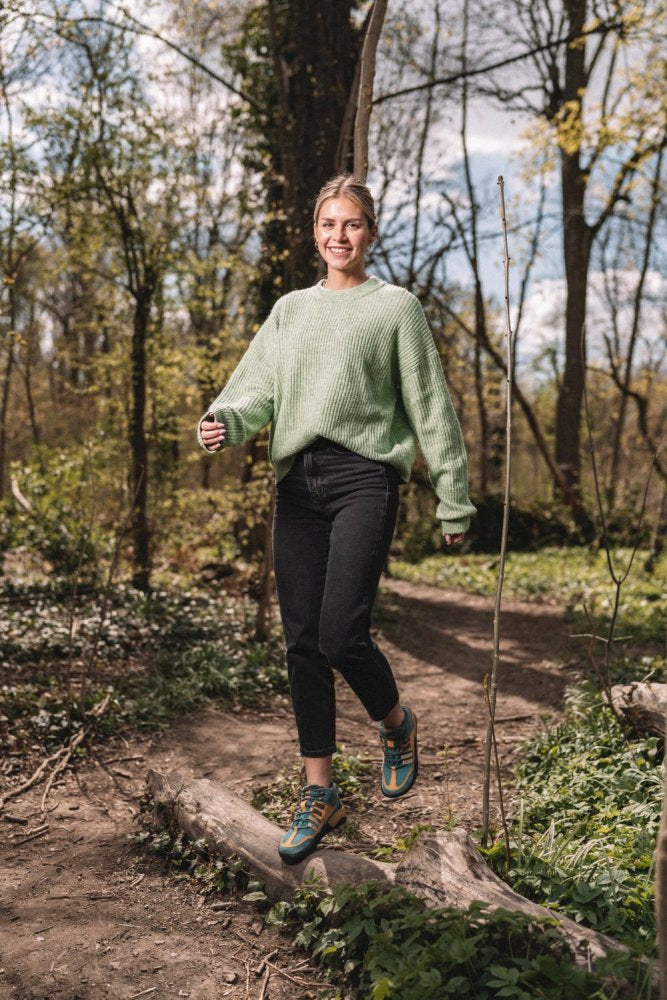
(83, 915)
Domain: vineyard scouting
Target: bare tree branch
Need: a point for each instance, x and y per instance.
(139, 28)
(556, 43)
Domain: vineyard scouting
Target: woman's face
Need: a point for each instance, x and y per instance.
(343, 235)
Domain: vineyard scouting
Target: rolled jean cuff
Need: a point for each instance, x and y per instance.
(327, 752)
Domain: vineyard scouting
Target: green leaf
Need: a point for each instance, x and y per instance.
(382, 989)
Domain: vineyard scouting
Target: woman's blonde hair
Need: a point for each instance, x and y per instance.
(347, 186)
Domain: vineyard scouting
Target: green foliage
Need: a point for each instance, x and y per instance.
(385, 943)
(570, 577)
(158, 656)
(403, 844)
(192, 859)
(388, 946)
(588, 821)
(236, 674)
(60, 526)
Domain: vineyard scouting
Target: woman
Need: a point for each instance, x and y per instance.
(349, 375)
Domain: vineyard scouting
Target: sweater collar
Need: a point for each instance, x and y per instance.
(347, 294)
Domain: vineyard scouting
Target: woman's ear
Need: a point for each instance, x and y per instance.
(374, 234)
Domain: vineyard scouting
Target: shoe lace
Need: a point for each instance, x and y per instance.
(312, 804)
(396, 751)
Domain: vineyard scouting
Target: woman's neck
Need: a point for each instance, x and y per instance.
(337, 282)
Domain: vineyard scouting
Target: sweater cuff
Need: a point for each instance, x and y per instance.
(235, 430)
(455, 527)
(222, 417)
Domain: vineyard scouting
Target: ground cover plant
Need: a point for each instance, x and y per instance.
(389, 946)
(276, 799)
(587, 809)
(152, 655)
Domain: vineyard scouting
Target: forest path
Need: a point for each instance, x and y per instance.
(85, 915)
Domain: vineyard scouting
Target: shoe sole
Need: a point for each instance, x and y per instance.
(294, 858)
(415, 773)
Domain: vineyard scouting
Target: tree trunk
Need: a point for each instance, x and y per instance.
(444, 869)
(480, 337)
(366, 78)
(576, 250)
(4, 407)
(314, 49)
(266, 577)
(577, 238)
(139, 445)
(643, 706)
(570, 497)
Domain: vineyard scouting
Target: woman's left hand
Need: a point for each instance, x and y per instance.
(455, 539)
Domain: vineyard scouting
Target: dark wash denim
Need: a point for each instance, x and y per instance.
(334, 519)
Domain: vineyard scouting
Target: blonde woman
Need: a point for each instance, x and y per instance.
(349, 375)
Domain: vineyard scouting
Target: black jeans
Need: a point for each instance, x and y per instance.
(334, 519)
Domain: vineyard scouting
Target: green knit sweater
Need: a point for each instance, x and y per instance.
(357, 366)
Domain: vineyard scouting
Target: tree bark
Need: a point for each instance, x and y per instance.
(444, 869)
(366, 77)
(4, 407)
(577, 238)
(576, 251)
(139, 445)
(642, 705)
(314, 49)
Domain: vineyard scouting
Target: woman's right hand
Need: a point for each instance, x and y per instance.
(212, 433)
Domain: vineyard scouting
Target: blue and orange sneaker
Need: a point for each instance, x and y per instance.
(319, 813)
(401, 765)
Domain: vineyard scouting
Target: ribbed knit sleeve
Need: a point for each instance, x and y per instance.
(245, 405)
(429, 409)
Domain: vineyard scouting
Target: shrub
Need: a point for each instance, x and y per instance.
(387, 945)
(588, 820)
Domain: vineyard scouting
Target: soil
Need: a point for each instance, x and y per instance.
(84, 914)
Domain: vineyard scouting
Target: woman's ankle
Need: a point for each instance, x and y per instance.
(318, 770)
(395, 718)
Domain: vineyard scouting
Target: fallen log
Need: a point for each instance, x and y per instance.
(206, 810)
(443, 868)
(643, 705)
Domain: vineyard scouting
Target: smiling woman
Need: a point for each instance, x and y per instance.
(344, 227)
(349, 375)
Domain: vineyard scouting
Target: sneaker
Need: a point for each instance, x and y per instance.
(320, 812)
(400, 765)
